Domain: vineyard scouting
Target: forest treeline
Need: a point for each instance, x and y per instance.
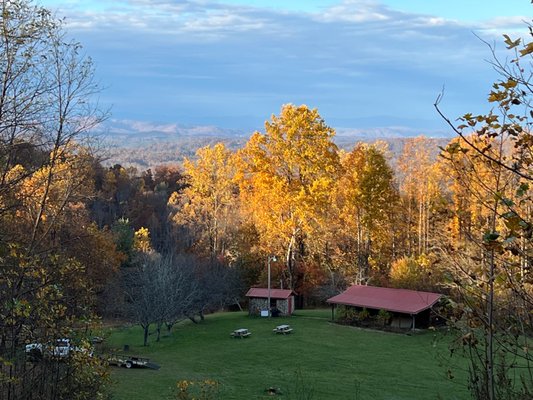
(80, 240)
(332, 217)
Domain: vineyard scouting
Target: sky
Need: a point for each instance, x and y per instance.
(365, 64)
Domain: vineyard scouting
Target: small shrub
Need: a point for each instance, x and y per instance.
(383, 317)
(340, 314)
(363, 315)
(351, 315)
(197, 390)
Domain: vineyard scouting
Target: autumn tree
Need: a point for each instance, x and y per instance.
(363, 200)
(45, 110)
(149, 206)
(484, 269)
(421, 188)
(102, 262)
(285, 177)
(169, 178)
(141, 240)
(495, 288)
(417, 273)
(117, 187)
(207, 207)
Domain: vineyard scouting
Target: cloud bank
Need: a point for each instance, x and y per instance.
(205, 62)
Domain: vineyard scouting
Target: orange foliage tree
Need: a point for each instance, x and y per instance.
(285, 178)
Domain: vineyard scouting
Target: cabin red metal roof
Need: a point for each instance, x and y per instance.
(395, 300)
(274, 293)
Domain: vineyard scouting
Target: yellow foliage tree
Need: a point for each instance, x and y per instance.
(415, 273)
(285, 179)
(45, 107)
(47, 198)
(363, 201)
(492, 162)
(141, 240)
(475, 187)
(421, 184)
(208, 206)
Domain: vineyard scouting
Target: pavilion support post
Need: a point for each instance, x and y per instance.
(332, 312)
(413, 316)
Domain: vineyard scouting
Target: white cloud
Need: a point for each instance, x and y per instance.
(168, 17)
(437, 21)
(507, 25)
(190, 61)
(356, 11)
(223, 22)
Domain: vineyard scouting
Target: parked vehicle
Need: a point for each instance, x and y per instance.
(123, 360)
(61, 349)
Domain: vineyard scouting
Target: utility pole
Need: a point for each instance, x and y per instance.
(270, 258)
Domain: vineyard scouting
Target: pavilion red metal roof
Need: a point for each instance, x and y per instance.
(274, 293)
(395, 300)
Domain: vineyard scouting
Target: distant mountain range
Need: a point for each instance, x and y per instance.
(132, 131)
(129, 129)
(146, 144)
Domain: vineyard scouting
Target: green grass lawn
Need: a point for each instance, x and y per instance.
(319, 359)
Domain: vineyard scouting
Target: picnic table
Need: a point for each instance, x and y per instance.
(240, 333)
(282, 329)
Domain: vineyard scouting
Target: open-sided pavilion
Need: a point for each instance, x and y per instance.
(402, 302)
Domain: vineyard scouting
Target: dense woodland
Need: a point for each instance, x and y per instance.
(80, 240)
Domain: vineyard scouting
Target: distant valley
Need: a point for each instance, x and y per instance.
(144, 145)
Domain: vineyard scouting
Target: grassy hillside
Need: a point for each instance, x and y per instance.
(320, 360)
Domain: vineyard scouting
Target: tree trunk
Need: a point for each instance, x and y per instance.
(420, 225)
(490, 330)
(290, 260)
(145, 330)
(359, 249)
(409, 222)
(158, 329)
(169, 326)
(426, 239)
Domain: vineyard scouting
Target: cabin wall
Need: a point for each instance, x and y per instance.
(256, 304)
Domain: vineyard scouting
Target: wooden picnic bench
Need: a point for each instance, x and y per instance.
(240, 333)
(282, 329)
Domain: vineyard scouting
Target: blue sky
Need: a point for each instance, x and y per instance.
(365, 64)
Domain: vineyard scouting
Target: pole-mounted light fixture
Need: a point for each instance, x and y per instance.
(270, 258)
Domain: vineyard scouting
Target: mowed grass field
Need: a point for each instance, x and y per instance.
(319, 360)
